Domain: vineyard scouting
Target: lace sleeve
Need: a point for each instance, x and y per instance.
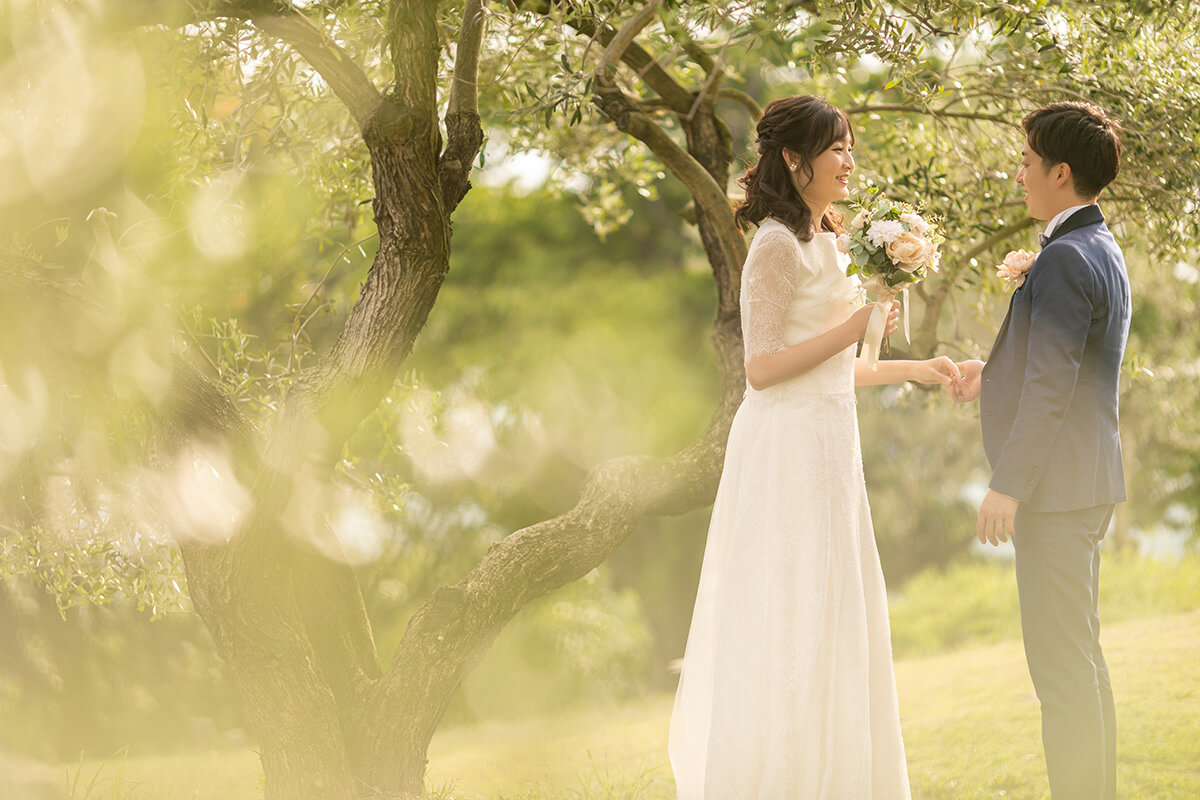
(768, 285)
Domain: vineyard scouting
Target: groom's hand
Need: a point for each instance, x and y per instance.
(995, 521)
(966, 388)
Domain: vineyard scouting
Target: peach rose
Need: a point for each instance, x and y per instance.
(910, 251)
(1016, 265)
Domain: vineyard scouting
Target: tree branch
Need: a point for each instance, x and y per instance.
(621, 41)
(746, 100)
(677, 98)
(933, 112)
(464, 133)
(674, 95)
(707, 95)
(464, 90)
(937, 299)
(704, 169)
(282, 20)
(692, 48)
(629, 118)
(714, 68)
(345, 78)
(455, 626)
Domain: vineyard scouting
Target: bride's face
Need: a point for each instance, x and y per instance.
(831, 171)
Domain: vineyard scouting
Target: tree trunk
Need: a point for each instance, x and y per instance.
(291, 623)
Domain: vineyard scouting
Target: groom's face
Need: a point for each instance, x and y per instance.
(1037, 178)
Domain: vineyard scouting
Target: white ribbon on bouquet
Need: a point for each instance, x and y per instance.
(873, 340)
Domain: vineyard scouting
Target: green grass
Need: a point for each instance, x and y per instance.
(970, 724)
(970, 720)
(198, 776)
(975, 602)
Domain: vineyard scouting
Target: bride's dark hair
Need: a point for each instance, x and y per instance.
(807, 126)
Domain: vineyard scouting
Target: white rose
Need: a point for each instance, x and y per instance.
(936, 261)
(860, 220)
(843, 243)
(915, 222)
(883, 231)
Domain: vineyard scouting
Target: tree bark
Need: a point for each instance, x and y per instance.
(291, 623)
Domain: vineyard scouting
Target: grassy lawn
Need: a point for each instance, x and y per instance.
(970, 721)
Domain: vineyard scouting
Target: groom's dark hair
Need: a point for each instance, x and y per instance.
(1081, 135)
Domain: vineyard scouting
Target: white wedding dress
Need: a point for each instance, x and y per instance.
(787, 690)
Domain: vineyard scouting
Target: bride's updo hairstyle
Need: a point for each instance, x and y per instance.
(807, 126)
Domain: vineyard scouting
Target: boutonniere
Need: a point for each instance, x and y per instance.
(1015, 267)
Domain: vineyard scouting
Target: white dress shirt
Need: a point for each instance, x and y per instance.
(1061, 216)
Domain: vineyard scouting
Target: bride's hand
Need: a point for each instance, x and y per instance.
(935, 370)
(893, 321)
(862, 319)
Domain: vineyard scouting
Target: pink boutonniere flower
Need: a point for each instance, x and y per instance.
(1015, 267)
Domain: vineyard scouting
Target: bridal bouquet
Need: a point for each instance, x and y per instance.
(893, 247)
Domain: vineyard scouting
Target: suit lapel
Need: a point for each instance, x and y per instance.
(1088, 215)
(1003, 326)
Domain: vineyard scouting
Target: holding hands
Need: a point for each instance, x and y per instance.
(936, 370)
(966, 387)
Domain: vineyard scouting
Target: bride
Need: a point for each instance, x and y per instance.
(787, 690)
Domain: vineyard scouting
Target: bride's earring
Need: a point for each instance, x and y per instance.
(793, 167)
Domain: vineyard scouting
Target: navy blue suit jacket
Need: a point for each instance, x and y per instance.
(1048, 401)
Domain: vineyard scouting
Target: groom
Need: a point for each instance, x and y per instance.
(1048, 401)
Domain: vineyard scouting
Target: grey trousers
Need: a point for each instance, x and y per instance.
(1058, 580)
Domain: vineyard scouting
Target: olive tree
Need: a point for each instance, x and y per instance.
(620, 92)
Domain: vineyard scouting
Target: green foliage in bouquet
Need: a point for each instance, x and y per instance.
(890, 242)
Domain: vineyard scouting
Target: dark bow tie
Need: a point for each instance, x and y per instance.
(1043, 240)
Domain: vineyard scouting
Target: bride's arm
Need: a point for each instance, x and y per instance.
(934, 370)
(784, 364)
(771, 274)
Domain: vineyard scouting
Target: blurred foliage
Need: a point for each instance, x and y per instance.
(85, 678)
(207, 198)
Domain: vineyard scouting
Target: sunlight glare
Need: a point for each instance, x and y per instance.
(210, 502)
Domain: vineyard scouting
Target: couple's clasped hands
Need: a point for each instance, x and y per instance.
(961, 379)
(965, 388)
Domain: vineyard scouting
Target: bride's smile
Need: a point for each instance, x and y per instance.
(826, 179)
